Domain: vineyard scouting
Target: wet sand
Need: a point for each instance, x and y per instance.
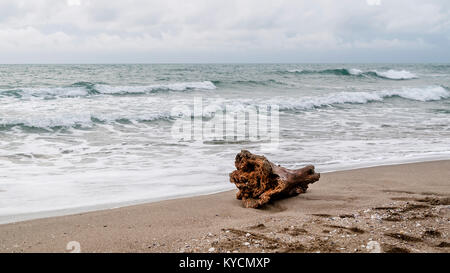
(398, 208)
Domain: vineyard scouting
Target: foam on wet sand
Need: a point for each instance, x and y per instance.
(398, 208)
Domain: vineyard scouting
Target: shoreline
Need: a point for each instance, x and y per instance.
(353, 206)
(16, 218)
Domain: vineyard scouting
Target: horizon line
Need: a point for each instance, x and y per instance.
(228, 63)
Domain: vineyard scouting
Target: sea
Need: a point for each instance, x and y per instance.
(96, 136)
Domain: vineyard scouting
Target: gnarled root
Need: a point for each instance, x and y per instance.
(260, 181)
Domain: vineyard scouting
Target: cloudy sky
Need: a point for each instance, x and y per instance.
(147, 31)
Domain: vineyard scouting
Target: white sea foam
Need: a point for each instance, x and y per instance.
(65, 113)
(396, 74)
(355, 71)
(49, 120)
(67, 120)
(181, 86)
(117, 156)
(430, 93)
(389, 74)
(55, 91)
(79, 91)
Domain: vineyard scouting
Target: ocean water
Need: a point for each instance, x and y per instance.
(79, 136)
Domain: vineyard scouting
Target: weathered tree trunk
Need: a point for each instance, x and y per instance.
(260, 181)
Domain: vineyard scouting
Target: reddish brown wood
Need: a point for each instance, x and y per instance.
(260, 181)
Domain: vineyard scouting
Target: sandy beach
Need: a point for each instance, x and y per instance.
(399, 208)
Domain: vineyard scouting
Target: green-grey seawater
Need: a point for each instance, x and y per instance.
(76, 136)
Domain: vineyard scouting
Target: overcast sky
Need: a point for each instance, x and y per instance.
(148, 31)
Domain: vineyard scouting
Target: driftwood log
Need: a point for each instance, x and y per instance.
(260, 181)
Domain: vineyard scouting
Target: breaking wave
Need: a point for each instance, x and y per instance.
(82, 120)
(250, 83)
(431, 93)
(181, 86)
(88, 119)
(339, 72)
(394, 74)
(81, 89)
(390, 74)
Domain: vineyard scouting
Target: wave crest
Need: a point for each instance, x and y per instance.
(431, 93)
(181, 86)
(390, 74)
(81, 89)
(88, 119)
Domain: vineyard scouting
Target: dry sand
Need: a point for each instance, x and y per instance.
(401, 208)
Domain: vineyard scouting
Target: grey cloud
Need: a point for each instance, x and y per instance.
(171, 30)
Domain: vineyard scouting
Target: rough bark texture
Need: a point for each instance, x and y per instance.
(260, 181)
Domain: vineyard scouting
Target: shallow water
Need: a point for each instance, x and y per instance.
(86, 135)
